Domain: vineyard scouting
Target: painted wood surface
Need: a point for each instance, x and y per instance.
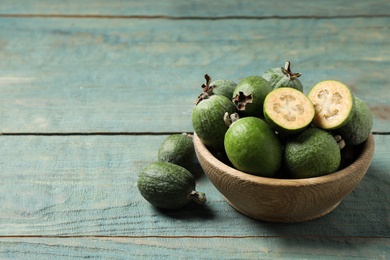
(86, 186)
(194, 247)
(197, 8)
(89, 90)
(118, 75)
(71, 195)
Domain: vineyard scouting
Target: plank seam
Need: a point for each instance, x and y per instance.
(111, 133)
(211, 236)
(166, 17)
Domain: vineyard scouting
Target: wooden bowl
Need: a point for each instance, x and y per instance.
(284, 200)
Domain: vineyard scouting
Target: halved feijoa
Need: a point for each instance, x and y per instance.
(288, 110)
(357, 130)
(333, 102)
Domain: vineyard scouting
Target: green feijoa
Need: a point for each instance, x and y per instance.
(169, 186)
(283, 77)
(217, 87)
(311, 153)
(223, 87)
(253, 147)
(357, 130)
(178, 149)
(207, 120)
(249, 95)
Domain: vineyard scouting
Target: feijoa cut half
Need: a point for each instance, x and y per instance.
(333, 102)
(253, 147)
(169, 186)
(288, 111)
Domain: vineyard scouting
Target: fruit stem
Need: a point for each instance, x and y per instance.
(198, 197)
(207, 90)
(287, 71)
(230, 119)
(340, 141)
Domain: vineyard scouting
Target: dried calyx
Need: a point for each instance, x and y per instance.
(198, 197)
(240, 100)
(207, 90)
(230, 119)
(287, 71)
(340, 141)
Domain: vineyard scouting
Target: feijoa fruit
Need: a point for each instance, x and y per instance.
(178, 149)
(311, 153)
(253, 147)
(249, 95)
(283, 77)
(169, 186)
(357, 130)
(207, 119)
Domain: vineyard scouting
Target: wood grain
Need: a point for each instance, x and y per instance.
(89, 89)
(196, 8)
(86, 186)
(102, 75)
(198, 247)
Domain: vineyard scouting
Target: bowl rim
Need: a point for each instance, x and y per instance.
(363, 160)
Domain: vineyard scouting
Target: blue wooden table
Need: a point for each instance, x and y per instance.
(90, 89)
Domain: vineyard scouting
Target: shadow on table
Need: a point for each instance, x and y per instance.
(363, 213)
(192, 211)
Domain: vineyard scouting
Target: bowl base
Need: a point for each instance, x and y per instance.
(278, 219)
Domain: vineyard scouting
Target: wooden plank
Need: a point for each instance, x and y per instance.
(199, 248)
(142, 75)
(196, 8)
(86, 186)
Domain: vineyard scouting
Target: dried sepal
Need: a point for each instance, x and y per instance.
(207, 90)
(241, 100)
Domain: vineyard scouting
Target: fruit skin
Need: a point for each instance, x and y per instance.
(253, 147)
(207, 120)
(166, 185)
(311, 153)
(283, 130)
(318, 120)
(283, 77)
(178, 149)
(223, 87)
(249, 95)
(357, 130)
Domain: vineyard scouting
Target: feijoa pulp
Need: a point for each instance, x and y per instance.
(287, 110)
(333, 102)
